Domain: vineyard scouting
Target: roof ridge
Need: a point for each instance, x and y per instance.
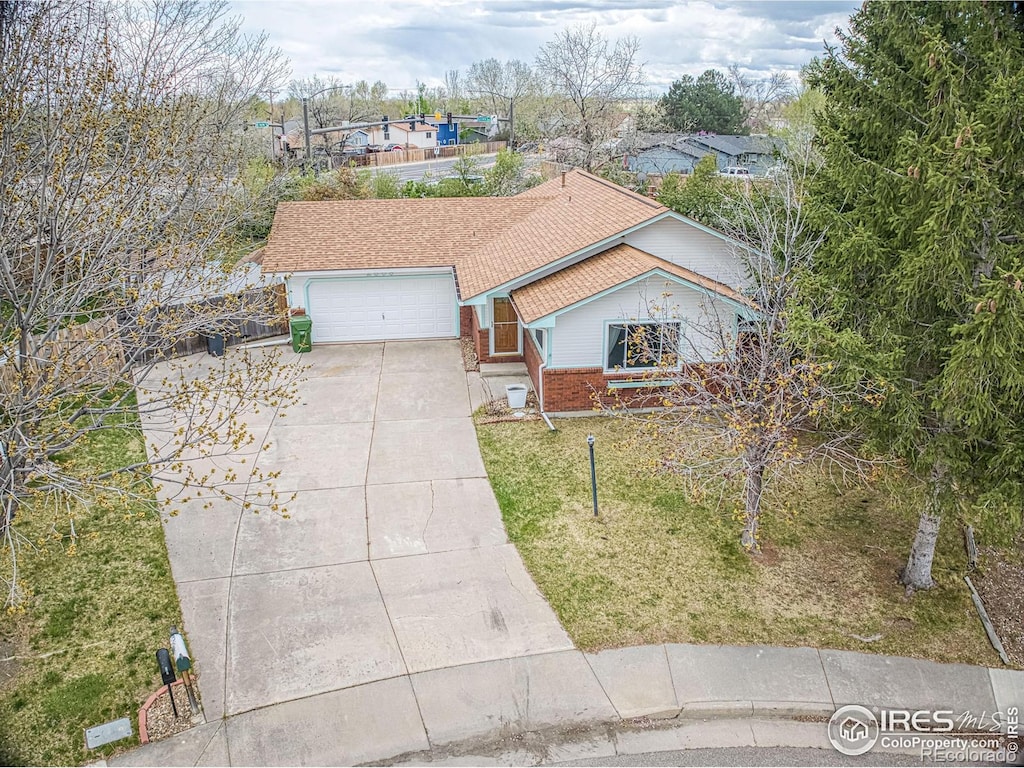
(622, 190)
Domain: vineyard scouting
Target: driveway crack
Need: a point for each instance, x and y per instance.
(423, 533)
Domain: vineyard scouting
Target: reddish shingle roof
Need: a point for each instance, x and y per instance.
(585, 211)
(599, 273)
(377, 234)
(489, 241)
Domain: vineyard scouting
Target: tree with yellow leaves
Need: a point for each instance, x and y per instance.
(120, 141)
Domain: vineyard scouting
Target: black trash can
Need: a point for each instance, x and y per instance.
(215, 344)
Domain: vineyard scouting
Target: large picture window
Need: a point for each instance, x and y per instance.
(641, 346)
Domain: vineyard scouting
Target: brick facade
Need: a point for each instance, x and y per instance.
(568, 389)
(575, 389)
(469, 327)
(466, 317)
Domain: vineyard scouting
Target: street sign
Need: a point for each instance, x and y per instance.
(483, 118)
(262, 124)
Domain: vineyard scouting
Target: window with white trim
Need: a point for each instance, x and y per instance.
(639, 346)
(430, 134)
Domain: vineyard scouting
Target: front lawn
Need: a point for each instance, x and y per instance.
(655, 567)
(98, 607)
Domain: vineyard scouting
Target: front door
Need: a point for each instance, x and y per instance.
(506, 328)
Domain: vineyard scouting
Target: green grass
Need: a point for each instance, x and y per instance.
(97, 609)
(656, 567)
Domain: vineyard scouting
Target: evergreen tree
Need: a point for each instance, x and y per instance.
(922, 194)
(697, 196)
(708, 103)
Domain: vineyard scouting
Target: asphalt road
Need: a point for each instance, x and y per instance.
(436, 168)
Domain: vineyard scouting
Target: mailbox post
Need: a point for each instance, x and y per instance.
(183, 663)
(163, 659)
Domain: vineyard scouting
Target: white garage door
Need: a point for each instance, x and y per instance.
(377, 308)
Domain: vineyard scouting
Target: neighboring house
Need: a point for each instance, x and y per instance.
(293, 140)
(560, 277)
(755, 153)
(400, 132)
(475, 132)
(447, 135)
(359, 138)
(662, 153)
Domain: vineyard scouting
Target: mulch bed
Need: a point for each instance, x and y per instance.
(497, 411)
(160, 721)
(1000, 583)
(469, 358)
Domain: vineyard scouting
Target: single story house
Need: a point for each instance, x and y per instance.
(755, 153)
(558, 277)
(660, 154)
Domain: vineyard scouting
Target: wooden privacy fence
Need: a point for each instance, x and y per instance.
(92, 352)
(413, 155)
(145, 342)
(78, 354)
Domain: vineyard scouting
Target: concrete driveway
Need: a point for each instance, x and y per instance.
(394, 561)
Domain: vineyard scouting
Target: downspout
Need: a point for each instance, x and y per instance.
(540, 395)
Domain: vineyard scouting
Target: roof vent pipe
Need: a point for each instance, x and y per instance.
(563, 179)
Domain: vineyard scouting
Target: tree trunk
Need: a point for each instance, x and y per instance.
(753, 484)
(918, 573)
(8, 498)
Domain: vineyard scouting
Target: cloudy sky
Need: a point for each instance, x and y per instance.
(418, 40)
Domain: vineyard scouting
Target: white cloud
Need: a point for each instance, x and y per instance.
(418, 40)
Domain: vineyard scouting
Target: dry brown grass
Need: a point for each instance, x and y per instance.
(657, 567)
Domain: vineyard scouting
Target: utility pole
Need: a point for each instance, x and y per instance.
(273, 139)
(512, 124)
(305, 128)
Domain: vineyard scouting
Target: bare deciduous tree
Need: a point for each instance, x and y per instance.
(121, 140)
(741, 403)
(762, 98)
(593, 77)
(499, 83)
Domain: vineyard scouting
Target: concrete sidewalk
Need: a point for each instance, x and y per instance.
(446, 714)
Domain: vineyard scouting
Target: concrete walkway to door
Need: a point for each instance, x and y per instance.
(394, 562)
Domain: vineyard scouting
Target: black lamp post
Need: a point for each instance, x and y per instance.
(593, 472)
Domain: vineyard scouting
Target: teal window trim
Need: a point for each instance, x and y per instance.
(627, 384)
(678, 322)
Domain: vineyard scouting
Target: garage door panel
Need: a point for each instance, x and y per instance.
(373, 309)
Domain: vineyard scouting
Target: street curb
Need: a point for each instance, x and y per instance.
(773, 710)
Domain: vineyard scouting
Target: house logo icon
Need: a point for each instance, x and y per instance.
(853, 730)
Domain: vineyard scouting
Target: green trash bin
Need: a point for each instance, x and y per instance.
(302, 333)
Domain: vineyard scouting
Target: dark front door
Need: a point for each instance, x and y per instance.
(506, 328)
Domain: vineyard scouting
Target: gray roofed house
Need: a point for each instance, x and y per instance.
(661, 153)
(755, 153)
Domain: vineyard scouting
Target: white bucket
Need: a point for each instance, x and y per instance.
(516, 394)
